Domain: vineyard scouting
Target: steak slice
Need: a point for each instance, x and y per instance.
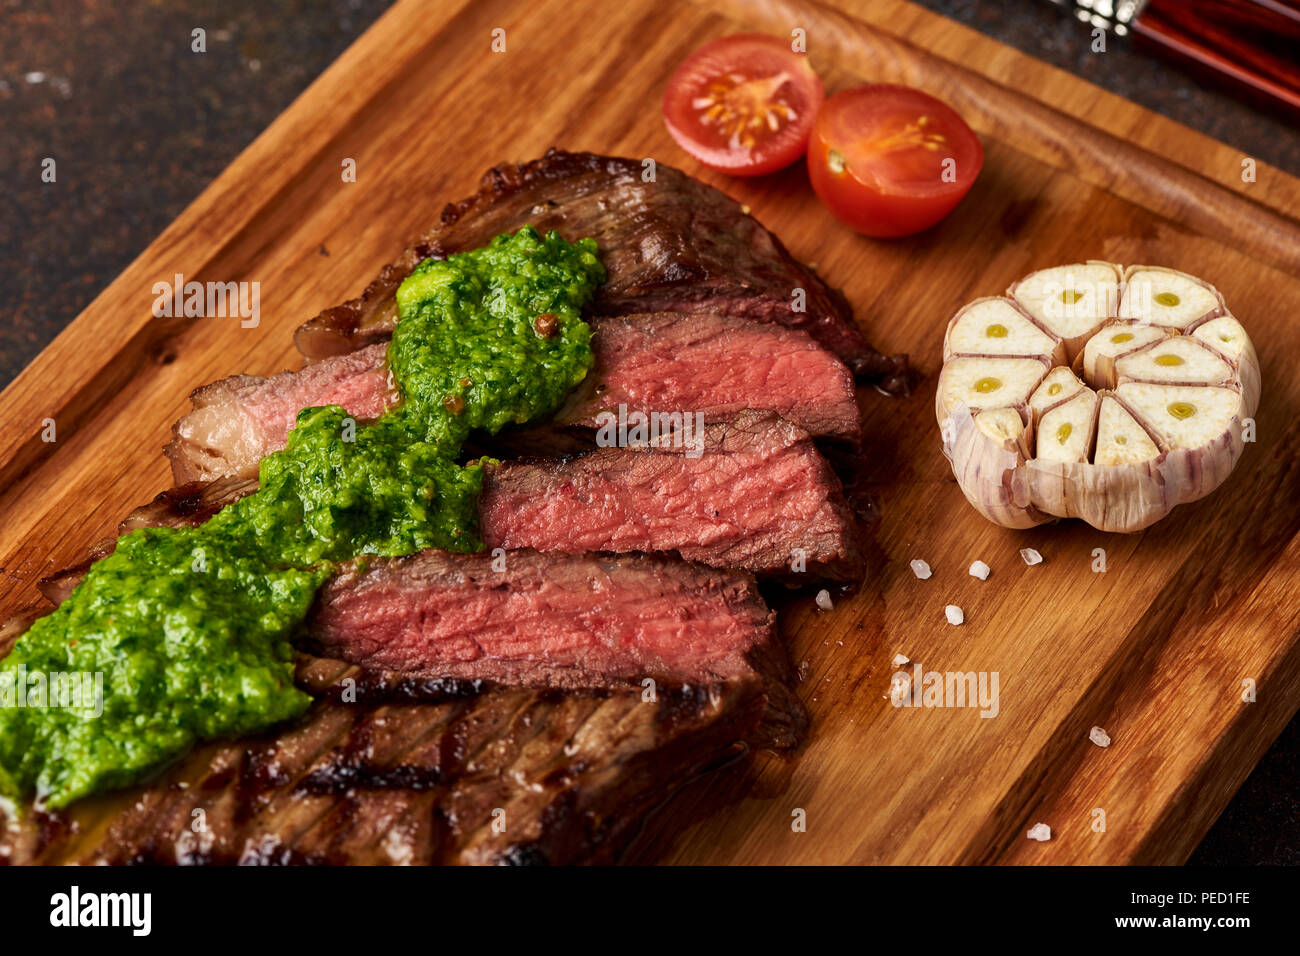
(758, 497)
(671, 244)
(419, 774)
(551, 620)
(237, 421)
(716, 365)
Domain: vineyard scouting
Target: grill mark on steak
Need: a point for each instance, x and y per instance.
(675, 244)
(757, 496)
(417, 783)
(667, 362)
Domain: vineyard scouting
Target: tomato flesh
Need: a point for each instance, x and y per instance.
(890, 160)
(743, 104)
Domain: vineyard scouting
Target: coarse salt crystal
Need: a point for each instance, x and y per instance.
(824, 600)
(901, 659)
(1099, 737)
(1031, 556)
(1040, 832)
(955, 614)
(921, 569)
(980, 570)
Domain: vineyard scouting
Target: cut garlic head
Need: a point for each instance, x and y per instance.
(1148, 415)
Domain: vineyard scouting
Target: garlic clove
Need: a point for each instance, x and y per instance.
(989, 472)
(1060, 385)
(1226, 336)
(996, 326)
(1072, 301)
(1097, 360)
(1182, 416)
(1179, 359)
(1005, 428)
(1167, 297)
(1065, 433)
(979, 382)
(1120, 439)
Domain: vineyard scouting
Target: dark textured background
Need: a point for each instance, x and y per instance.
(139, 124)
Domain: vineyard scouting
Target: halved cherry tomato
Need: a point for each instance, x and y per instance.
(743, 104)
(891, 160)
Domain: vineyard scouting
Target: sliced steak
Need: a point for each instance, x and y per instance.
(671, 244)
(551, 620)
(716, 365)
(758, 497)
(239, 420)
(396, 777)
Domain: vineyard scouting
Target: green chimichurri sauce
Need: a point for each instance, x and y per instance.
(191, 627)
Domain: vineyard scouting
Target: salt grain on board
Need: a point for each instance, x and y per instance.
(920, 569)
(955, 614)
(1099, 737)
(1040, 832)
(901, 659)
(1031, 556)
(824, 600)
(980, 570)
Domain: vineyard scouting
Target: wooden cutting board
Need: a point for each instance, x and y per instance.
(1155, 649)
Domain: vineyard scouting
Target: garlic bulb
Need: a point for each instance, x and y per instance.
(1094, 392)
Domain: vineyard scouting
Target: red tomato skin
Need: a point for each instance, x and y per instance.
(792, 141)
(868, 210)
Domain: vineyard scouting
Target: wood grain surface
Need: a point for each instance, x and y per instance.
(1155, 649)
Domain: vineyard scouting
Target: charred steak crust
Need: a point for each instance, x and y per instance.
(671, 244)
(420, 783)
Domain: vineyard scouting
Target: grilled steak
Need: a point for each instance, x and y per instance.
(418, 773)
(671, 244)
(552, 620)
(758, 497)
(665, 361)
